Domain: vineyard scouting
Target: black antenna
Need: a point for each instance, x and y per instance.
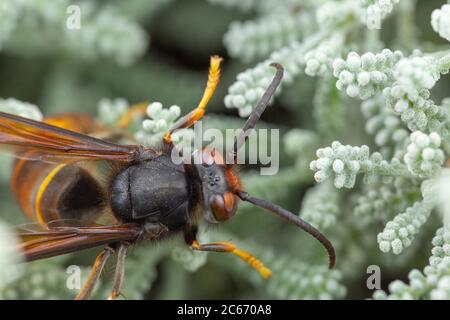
(294, 219)
(259, 109)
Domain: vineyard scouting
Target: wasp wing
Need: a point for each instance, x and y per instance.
(36, 140)
(36, 245)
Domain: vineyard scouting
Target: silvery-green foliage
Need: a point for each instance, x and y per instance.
(10, 269)
(407, 126)
(433, 282)
(300, 143)
(273, 189)
(111, 110)
(388, 131)
(140, 271)
(311, 52)
(250, 84)
(440, 20)
(416, 73)
(158, 123)
(43, 281)
(364, 75)
(423, 156)
(56, 279)
(257, 39)
(302, 281)
(446, 103)
(20, 108)
(443, 184)
(399, 233)
(191, 260)
(106, 34)
(319, 60)
(344, 163)
(380, 202)
(102, 33)
(292, 278)
(320, 206)
(266, 7)
(335, 14)
(409, 95)
(329, 109)
(377, 10)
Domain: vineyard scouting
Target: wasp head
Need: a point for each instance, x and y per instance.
(219, 183)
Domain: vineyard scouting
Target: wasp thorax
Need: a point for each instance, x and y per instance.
(154, 190)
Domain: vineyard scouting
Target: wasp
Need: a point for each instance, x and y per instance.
(141, 195)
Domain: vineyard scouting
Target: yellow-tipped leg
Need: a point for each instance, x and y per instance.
(231, 248)
(253, 262)
(213, 80)
(196, 114)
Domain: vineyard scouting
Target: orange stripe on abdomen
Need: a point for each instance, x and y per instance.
(30, 179)
(29, 176)
(43, 215)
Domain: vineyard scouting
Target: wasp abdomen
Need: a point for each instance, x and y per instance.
(82, 198)
(48, 192)
(52, 191)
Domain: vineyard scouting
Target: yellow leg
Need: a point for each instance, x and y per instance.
(195, 115)
(231, 248)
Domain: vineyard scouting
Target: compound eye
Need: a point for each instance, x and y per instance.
(223, 206)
